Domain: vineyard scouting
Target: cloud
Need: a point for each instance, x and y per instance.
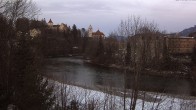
(106, 14)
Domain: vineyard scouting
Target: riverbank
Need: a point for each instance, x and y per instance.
(104, 100)
(148, 71)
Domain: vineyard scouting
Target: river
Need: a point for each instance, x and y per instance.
(75, 71)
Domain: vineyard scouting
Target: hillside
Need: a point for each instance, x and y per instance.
(187, 31)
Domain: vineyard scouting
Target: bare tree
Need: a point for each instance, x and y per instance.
(3, 4)
(145, 46)
(15, 9)
(130, 26)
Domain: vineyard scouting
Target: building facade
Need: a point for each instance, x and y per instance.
(180, 45)
(63, 27)
(35, 32)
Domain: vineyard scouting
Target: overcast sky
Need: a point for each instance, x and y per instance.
(105, 15)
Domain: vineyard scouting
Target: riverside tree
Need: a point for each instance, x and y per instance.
(143, 49)
(30, 91)
(128, 54)
(6, 33)
(21, 83)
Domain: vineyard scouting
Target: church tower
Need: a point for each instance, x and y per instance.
(90, 31)
(50, 23)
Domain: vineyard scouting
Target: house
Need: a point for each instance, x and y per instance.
(97, 34)
(63, 27)
(35, 32)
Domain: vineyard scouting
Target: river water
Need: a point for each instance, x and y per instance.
(75, 71)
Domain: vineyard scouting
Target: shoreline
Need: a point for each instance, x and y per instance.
(147, 71)
(142, 87)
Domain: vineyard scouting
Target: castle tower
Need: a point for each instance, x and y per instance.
(90, 31)
(50, 23)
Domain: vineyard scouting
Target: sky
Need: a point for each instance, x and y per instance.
(106, 15)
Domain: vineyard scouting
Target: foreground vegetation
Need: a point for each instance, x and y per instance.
(109, 98)
(21, 56)
(21, 81)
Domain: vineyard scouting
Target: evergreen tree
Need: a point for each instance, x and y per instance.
(194, 55)
(84, 35)
(30, 90)
(21, 81)
(22, 24)
(6, 32)
(99, 55)
(36, 24)
(128, 54)
(74, 32)
(100, 49)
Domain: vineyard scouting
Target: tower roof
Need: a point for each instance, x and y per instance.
(50, 21)
(90, 27)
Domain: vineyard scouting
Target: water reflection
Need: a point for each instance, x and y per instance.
(75, 71)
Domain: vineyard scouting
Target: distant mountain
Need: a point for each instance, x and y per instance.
(187, 31)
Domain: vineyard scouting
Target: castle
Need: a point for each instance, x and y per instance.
(97, 34)
(61, 28)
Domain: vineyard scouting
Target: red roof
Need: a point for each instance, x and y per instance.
(98, 33)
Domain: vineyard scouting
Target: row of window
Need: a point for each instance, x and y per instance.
(181, 50)
(181, 46)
